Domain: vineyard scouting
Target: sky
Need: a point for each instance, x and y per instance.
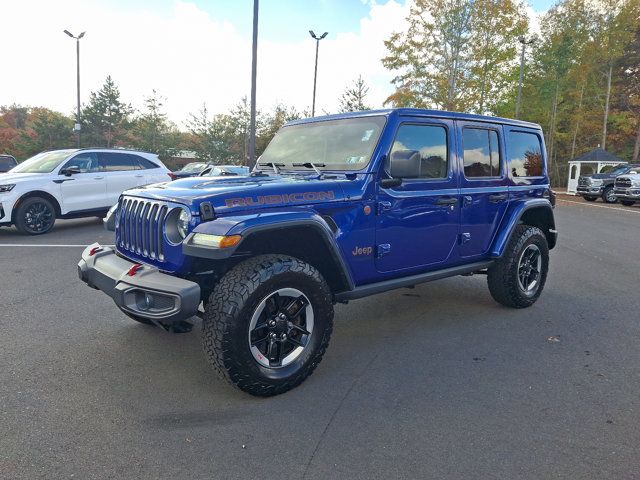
(195, 52)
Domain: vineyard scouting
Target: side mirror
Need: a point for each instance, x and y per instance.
(67, 172)
(405, 164)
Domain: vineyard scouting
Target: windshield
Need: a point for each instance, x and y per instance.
(345, 144)
(193, 167)
(615, 170)
(44, 162)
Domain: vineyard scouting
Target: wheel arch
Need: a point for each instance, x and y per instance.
(537, 213)
(32, 194)
(308, 238)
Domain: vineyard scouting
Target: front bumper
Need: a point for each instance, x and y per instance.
(632, 193)
(589, 191)
(146, 293)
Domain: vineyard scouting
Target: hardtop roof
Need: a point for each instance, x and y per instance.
(420, 112)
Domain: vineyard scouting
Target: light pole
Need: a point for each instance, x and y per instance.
(254, 69)
(315, 72)
(524, 43)
(77, 125)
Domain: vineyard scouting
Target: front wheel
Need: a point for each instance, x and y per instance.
(608, 195)
(590, 199)
(35, 216)
(518, 277)
(267, 324)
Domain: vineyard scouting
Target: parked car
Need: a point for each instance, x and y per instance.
(601, 185)
(7, 162)
(189, 170)
(627, 187)
(224, 170)
(339, 208)
(72, 183)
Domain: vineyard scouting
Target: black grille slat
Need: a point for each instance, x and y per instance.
(141, 227)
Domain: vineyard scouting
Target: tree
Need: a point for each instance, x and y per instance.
(628, 83)
(153, 132)
(208, 137)
(495, 28)
(432, 56)
(45, 130)
(352, 99)
(106, 118)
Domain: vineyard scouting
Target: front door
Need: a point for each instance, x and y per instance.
(417, 222)
(483, 187)
(86, 190)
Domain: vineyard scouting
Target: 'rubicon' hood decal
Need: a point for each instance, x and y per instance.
(241, 193)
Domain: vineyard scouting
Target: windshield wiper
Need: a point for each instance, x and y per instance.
(275, 166)
(311, 165)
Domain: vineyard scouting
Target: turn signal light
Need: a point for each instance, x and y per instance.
(216, 241)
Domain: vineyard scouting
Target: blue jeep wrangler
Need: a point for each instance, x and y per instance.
(338, 208)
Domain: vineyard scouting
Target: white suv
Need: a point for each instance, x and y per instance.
(72, 184)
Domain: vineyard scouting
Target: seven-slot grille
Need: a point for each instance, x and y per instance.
(141, 225)
(623, 182)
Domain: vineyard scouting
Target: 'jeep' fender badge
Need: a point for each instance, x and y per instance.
(362, 251)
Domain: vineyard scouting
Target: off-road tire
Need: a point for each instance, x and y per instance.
(227, 317)
(627, 203)
(503, 275)
(605, 195)
(590, 199)
(20, 220)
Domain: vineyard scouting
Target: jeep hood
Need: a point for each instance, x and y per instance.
(231, 194)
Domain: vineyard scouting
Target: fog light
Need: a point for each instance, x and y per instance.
(215, 241)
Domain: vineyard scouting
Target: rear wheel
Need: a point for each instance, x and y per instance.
(627, 203)
(517, 279)
(267, 324)
(590, 199)
(608, 195)
(35, 216)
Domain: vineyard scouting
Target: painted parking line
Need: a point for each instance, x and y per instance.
(35, 245)
(618, 209)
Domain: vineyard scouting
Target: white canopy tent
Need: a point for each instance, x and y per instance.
(589, 163)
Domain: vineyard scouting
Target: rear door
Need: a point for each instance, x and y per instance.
(417, 222)
(122, 171)
(483, 187)
(86, 190)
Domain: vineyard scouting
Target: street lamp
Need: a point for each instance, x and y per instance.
(524, 43)
(77, 125)
(254, 70)
(315, 72)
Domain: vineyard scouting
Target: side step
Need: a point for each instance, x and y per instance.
(386, 285)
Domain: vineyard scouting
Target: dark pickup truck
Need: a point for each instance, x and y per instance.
(601, 185)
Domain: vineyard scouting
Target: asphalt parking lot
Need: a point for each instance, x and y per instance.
(435, 382)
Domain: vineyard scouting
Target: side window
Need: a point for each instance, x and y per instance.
(481, 153)
(431, 142)
(118, 162)
(144, 163)
(525, 155)
(85, 161)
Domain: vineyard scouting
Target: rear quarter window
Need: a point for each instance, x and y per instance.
(146, 164)
(524, 151)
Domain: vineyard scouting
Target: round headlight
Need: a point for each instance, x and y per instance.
(183, 223)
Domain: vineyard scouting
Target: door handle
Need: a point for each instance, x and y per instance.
(446, 201)
(139, 176)
(497, 197)
(98, 178)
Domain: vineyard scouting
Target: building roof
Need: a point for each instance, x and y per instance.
(598, 155)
